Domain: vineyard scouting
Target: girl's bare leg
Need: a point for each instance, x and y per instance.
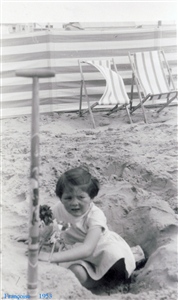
(115, 274)
(83, 276)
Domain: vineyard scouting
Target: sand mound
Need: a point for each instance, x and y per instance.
(136, 166)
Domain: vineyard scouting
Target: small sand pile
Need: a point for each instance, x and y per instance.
(136, 165)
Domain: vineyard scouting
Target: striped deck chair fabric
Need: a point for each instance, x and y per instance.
(152, 76)
(115, 92)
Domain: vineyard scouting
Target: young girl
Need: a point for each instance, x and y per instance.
(95, 252)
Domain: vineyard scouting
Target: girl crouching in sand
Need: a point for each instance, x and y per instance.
(96, 252)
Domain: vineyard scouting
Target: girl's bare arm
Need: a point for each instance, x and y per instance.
(80, 252)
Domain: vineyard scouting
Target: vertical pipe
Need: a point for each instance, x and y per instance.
(33, 246)
(32, 280)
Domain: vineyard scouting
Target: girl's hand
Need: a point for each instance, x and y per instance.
(45, 232)
(44, 256)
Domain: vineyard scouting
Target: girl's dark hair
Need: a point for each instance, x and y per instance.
(81, 177)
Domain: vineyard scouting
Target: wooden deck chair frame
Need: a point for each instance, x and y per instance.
(170, 94)
(118, 106)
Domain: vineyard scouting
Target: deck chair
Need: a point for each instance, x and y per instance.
(152, 76)
(114, 93)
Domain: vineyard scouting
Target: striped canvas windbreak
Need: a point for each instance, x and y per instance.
(61, 50)
(114, 92)
(150, 72)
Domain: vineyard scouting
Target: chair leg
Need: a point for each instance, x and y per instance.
(92, 118)
(80, 104)
(142, 107)
(114, 109)
(88, 103)
(140, 104)
(168, 102)
(132, 89)
(127, 110)
(143, 110)
(128, 113)
(91, 107)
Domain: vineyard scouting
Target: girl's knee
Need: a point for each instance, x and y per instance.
(83, 276)
(79, 272)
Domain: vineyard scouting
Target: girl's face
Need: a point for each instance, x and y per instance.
(76, 201)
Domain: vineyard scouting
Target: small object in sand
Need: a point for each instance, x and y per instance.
(17, 280)
(46, 214)
(138, 254)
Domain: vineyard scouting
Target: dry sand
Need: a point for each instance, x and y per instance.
(136, 165)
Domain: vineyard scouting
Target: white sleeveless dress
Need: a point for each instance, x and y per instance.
(110, 248)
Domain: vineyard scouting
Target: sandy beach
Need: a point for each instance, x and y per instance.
(137, 168)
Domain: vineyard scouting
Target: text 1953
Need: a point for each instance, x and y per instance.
(45, 296)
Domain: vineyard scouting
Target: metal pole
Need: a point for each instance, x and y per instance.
(33, 246)
(32, 283)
